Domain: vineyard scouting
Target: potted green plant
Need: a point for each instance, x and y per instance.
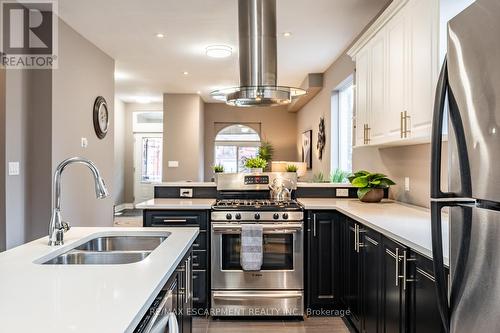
(291, 168)
(370, 185)
(339, 176)
(266, 151)
(218, 168)
(255, 164)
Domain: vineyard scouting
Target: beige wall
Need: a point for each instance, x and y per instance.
(2, 159)
(320, 106)
(84, 73)
(183, 137)
(278, 126)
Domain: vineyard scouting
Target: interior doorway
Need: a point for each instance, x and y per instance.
(148, 154)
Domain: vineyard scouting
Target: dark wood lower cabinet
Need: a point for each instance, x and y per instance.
(322, 269)
(370, 250)
(387, 287)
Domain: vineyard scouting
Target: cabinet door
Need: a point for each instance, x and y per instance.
(423, 15)
(362, 94)
(351, 272)
(371, 267)
(323, 259)
(424, 310)
(397, 83)
(393, 295)
(378, 114)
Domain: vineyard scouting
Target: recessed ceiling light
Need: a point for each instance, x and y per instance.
(160, 35)
(287, 34)
(218, 51)
(185, 73)
(198, 92)
(119, 76)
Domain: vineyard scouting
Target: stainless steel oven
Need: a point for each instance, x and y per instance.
(277, 289)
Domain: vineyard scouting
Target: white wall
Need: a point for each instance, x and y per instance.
(2, 158)
(119, 148)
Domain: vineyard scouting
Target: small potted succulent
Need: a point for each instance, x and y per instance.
(219, 168)
(291, 168)
(255, 164)
(370, 185)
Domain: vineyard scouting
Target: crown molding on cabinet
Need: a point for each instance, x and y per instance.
(379, 23)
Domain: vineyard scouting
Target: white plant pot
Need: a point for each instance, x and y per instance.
(256, 170)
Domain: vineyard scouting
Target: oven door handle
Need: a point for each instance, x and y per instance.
(233, 296)
(281, 228)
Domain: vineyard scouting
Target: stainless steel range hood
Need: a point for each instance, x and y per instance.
(258, 59)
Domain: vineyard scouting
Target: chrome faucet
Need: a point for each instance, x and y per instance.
(57, 227)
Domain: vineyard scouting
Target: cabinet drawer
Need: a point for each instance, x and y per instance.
(175, 219)
(200, 259)
(201, 241)
(199, 288)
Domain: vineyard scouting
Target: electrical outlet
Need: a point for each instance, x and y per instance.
(407, 184)
(342, 192)
(13, 168)
(186, 192)
(173, 164)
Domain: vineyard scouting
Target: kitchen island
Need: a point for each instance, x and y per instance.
(85, 298)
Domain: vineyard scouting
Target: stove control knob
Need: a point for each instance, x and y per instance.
(238, 216)
(229, 216)
(276, 216)
(257, 216)
(285, 216)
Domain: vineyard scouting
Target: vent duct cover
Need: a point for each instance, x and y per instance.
(258, 59)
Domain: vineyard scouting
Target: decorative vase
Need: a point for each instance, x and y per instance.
(256, 170)
(375, 195)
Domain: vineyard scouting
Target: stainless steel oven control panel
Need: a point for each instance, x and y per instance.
(257, 216)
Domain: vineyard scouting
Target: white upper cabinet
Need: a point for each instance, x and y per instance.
(403, 51)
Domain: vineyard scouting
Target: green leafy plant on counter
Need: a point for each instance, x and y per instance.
(318, 177)
(291, 168)
(266, 151)
(218, 168)
(255, 163)
(339, 176)
(366, 181)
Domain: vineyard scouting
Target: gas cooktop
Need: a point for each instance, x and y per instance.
(256, 205)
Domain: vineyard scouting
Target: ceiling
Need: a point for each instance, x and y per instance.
(148, 66)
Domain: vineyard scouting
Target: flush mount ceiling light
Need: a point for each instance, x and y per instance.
(143, 99)
(287, 34)
(218, 51)
(160, 35)
(185, 73)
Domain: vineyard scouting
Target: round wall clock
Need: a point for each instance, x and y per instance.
(101, 117)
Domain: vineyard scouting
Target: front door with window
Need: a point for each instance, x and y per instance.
(148, 149)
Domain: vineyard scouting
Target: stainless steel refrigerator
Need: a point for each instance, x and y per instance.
(469, 88)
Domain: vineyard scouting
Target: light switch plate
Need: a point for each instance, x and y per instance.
(342, 192)
(13, 168)
(173, 164)
(84, 142)
(407, 184)
(186, 192)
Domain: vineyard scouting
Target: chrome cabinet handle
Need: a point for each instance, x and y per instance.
(356, 238)
(175, 220)
(405, 263)
(188, 280)
(397, 267)
(314, 225)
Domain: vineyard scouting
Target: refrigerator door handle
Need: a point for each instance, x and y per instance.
(442, 89)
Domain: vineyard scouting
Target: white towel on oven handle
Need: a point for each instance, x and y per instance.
(251, 256)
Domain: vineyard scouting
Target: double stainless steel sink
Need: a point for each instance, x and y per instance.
(109, 250)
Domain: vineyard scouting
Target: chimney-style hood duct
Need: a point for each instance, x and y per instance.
(258, 59)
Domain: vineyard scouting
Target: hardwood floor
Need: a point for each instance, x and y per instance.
(309, 325)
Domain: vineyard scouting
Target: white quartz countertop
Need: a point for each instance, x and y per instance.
(84, 298)
(407, 224)
(164, 203)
